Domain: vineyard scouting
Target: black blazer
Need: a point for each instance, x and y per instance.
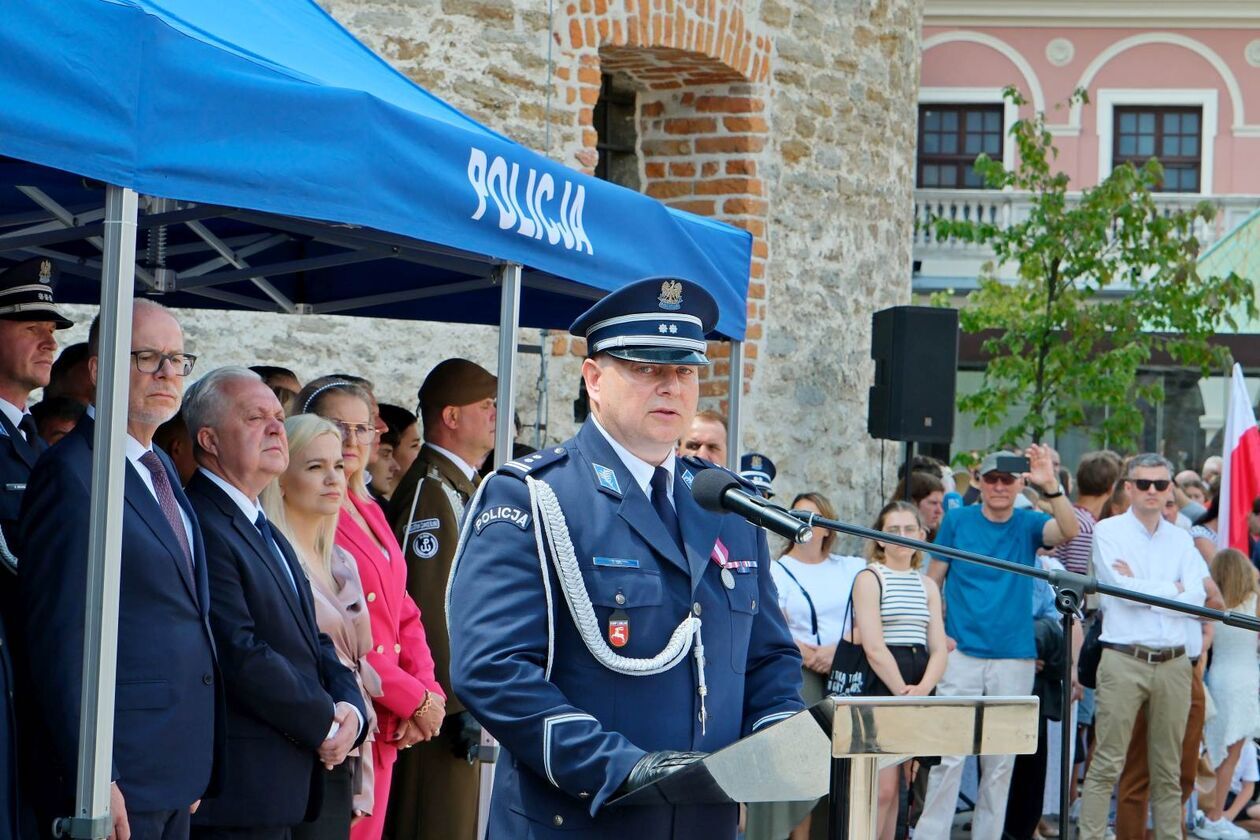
(282, 675)
(168, 697)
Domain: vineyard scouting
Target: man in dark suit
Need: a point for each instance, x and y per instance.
(291, 704)
(167, 683)
(29, 320)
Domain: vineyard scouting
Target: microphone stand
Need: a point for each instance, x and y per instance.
(1070, 590)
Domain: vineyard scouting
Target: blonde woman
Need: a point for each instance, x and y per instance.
(412, 705)
(304, 502)
(1234, 683)
(897, 620)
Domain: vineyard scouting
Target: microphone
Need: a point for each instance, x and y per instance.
(721, 492)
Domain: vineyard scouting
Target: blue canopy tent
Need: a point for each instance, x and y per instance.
(256, 156)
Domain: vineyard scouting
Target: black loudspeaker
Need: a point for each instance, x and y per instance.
(915, 349)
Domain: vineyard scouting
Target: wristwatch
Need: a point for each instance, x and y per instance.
(1056, 494)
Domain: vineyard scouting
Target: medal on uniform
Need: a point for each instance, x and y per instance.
(618, 629)
(728, 579)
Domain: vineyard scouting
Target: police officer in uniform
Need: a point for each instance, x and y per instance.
(605, 628)
(759, 471)
(29, 319)
(435, 784)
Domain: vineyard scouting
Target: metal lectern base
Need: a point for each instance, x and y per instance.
(836, 746)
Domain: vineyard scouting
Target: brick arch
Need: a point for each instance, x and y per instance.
(703, 72)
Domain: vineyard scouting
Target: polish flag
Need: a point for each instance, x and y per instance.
(1240, 480)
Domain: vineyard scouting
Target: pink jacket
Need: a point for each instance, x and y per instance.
(400, 654)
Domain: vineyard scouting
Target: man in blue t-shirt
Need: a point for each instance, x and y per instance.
(988, 614)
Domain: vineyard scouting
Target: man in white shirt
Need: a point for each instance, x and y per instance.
(1144, 661)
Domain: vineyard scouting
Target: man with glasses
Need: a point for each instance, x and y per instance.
(1144, 660)
(989, 616)
(168, 688)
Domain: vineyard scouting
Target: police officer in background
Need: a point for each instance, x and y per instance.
(29, 319)
(436, 785)
(759, 471)
(640, 630)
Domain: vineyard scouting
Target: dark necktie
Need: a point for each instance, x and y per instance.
(264, 528)
(27, 425)
(665, 510)
(166, 501)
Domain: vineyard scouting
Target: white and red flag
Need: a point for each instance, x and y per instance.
(1240, 480)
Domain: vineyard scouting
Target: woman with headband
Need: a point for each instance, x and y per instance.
(412, 704)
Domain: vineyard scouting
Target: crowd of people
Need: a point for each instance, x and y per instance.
(284, 642)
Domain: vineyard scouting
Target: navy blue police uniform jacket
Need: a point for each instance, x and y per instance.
(168, 704)
(17, 457)
(570, 733)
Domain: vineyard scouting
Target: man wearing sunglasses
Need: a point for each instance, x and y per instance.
(989, 615)
(1145, 663)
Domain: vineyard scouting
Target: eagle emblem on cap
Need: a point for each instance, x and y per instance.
(45, 271)
(755, 462)
(671, 295)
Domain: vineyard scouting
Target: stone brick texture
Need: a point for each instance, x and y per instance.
(793, 119)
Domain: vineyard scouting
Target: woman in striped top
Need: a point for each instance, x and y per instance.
(897, 610)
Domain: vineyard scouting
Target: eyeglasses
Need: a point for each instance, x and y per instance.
(362, 432)
(1005, 479)
(151, 361)
(1144, 484)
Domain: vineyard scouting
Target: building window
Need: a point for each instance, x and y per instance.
(951, 137)
(1172, 135)
(616, 130)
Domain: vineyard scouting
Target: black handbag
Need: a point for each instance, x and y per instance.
(1091, 653)
(851, 672)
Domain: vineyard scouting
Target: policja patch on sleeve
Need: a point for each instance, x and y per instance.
(501, 513)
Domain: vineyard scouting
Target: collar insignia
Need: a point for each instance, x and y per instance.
(607, 478)
(687, 478)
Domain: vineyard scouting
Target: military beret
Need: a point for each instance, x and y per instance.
(26, 293)
(456, 382)
(661, 320)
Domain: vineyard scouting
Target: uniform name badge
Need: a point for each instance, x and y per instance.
(619, 629)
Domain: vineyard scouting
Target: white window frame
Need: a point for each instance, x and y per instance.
(974, 96)
(1206, 98)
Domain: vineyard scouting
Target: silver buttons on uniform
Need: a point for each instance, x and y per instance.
(557, 820)
(620, 598)
(695, 608)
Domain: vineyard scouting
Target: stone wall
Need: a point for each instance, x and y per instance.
(794, 119)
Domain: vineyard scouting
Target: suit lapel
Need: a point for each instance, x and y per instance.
(610, 476)
(367, 548)
(140, 500)
(17, 440)
(449, 471)
(699, 526)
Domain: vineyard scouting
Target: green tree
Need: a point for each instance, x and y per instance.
(1104, 280)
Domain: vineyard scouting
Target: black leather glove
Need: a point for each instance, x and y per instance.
(657, 765)
(463, 735)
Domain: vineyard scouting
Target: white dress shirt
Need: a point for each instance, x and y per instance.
(469, 471)
(13, 414)
(640, 470)
(1158, 561)
(135, 451)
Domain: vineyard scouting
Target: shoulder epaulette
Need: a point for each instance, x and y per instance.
(530, 464)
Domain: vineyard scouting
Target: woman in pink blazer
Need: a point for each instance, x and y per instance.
(412, 704)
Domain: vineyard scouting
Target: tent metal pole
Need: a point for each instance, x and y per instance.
(100, 638)
(735, 390)
(509, 335)
(504, 434)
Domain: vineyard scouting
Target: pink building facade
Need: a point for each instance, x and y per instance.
(1177, 81)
